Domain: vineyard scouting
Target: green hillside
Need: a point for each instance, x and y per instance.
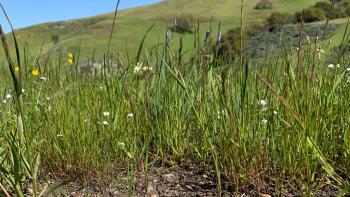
(93, 32)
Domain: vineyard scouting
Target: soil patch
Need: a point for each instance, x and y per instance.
(189, 180)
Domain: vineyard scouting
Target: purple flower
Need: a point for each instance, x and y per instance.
(207, 34)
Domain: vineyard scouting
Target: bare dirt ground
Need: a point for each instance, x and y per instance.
(189, 180)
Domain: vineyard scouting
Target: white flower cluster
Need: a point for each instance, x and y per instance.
(105, 114)
(221, 114)
(7, 98)
(142, 70)
(263, 103)
(331, 66)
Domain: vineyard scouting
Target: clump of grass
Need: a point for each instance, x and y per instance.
(18, 163)
(284, 116)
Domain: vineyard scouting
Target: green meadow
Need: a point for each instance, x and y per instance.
(281, 121)
(92, 33)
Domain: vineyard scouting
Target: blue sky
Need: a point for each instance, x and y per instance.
(25, 13)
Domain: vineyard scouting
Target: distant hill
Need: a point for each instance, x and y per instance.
(92, 33)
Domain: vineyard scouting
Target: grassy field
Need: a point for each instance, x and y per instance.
(93, 33)
(285, 116)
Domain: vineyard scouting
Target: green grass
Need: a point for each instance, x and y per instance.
(248, 121)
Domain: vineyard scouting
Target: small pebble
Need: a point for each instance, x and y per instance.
(30, 191)
(169, 177)
(189, 187)
(265, 195)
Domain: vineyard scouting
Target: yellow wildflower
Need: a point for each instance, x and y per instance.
(35, 72)
(17, 69)
(70, 61)
(70, 55)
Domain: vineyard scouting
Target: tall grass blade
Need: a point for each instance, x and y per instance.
(143, 42)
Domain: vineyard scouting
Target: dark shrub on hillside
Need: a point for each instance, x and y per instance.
(264, 4)
(278, 19)
(347, 11)
(184, 24)
(55, 38)
(325, 6)
(346, 7)
(231, 43)
(224, 49)
(338, 11)
(233, 39)
(345, 4)
(311, 14)
(254, 28)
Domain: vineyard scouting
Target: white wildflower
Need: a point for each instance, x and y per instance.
(121, 144)
(147, 69)
(48, 98)
(60, 136)
(275, 113)
(8, 96)
(348, 69)
(320, 50)
(264, 121)
(338, 65)
(23, 90)
(262, 102)
(106, 113)
(43, 78)
(137, 70)
(221, 113)
(4, 101)
(105, 122)
(130, 115)
(331, 66)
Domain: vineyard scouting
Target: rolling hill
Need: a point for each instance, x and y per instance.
(92, 33)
